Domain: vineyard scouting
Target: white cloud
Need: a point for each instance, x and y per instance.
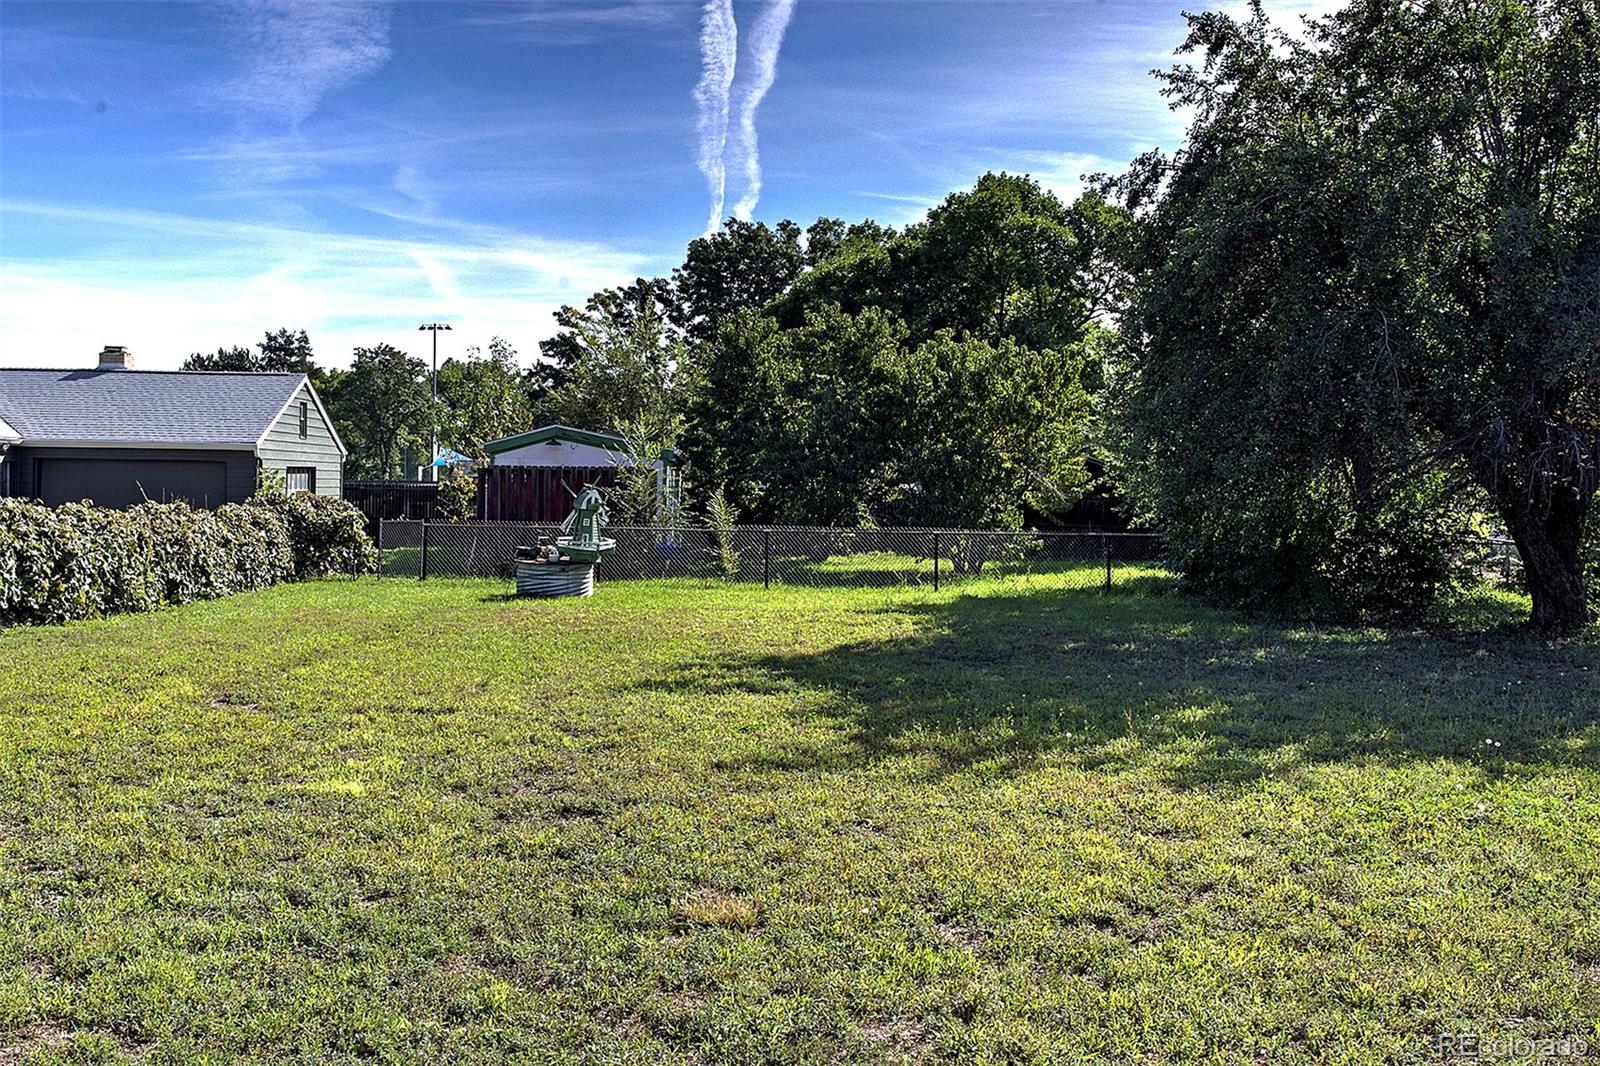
(204, 283)
(295, 52)
(766, 39)
(719, 53)
(1064, 173)
(409, 182)
(571, 22)
(290, 56)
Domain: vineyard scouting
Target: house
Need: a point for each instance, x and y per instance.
(532, 476)
(118, 436)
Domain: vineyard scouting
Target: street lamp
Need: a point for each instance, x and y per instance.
(433, 436)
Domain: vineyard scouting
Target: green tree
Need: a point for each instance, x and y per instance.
(735, 412)
(234, 358)
(620, 360)
(1373, 272)
(990, 430)
(623, 307)
(1004, 259)
(283, 351)
(483, 397)
(381, 405)
(1007, 259)
(842, 410)
(742, 266)
(845, 418)
(290, 351)
(851, 267)
(797, 425)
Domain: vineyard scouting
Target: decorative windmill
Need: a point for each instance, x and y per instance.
(566, 567)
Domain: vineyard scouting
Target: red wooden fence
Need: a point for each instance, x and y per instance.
(535, 493)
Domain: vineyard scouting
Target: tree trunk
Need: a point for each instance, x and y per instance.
(1548, 530)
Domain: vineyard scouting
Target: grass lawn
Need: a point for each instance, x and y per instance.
(362, 820)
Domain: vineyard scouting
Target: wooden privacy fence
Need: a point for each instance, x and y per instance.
(535, 493)
(382, 501)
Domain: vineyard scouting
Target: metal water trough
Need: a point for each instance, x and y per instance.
(566, 568)
(574, 577)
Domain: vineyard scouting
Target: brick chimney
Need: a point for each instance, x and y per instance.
(115, 357)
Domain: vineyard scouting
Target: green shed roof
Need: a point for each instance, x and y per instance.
(560, 434)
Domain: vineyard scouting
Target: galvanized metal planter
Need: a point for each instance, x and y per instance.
(566, 568)
(574, 578)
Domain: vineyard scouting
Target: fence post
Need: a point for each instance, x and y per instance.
(1105, 552)
(936, 560)
(766, 558)
(380, 549)
(422, 567)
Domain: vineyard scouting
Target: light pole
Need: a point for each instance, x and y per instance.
(433, 435)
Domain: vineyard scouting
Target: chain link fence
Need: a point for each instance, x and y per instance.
(782, 555)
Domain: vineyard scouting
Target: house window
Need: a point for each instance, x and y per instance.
(300, 479)
(305, 418)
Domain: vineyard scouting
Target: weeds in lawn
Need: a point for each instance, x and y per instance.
(707, 906)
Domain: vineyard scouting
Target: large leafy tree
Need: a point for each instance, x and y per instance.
(483, 397)
(382, 405)
(992, 431)
(1371, 276)
(1007, 259)
(845, 418)
(615, 364)
(814, 370)
(735, 412)
(622, 307)
(742, 266)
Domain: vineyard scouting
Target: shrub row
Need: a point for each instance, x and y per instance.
(327, 535)
(80, 561)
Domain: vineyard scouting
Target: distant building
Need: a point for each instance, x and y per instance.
(557, 445)
(119, 436)
(532, 476)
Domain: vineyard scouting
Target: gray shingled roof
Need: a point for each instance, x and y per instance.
(142, 406)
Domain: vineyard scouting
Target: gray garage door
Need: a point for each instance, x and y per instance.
(123, 482)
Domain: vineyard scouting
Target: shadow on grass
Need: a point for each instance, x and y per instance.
(990, 683)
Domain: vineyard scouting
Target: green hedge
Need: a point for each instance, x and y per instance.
(80, 561)
(327, 536)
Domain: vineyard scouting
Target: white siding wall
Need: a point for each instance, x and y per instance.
(283, 446)
(557, 453)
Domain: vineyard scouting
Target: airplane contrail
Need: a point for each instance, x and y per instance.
(765, 41)
(719, 53)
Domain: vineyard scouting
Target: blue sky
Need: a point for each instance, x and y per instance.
(176, 177)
